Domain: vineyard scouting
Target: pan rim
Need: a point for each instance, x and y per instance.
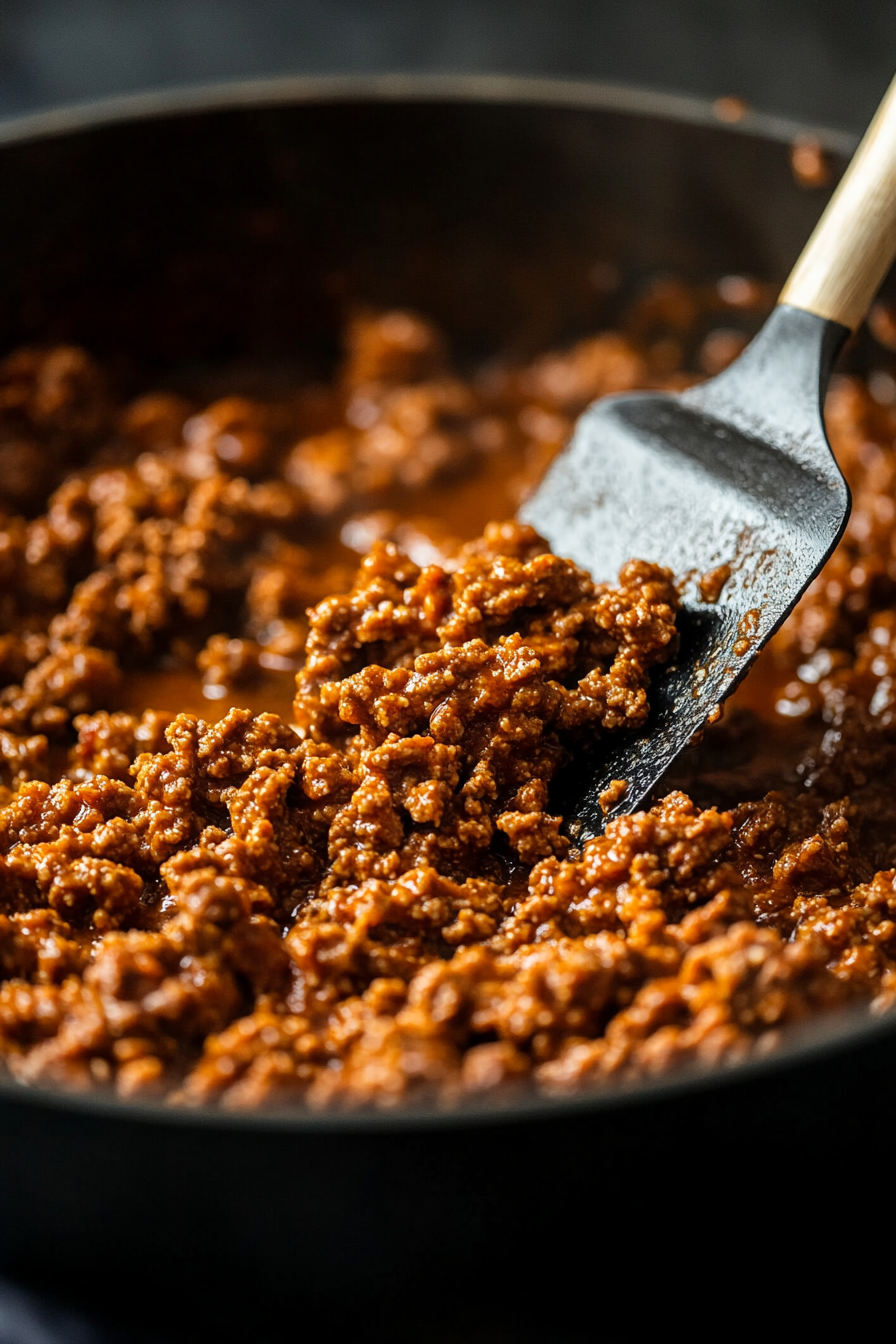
(235, 95)
(823, 1037)
(829, 1036)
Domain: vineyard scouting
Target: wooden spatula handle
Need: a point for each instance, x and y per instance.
(854, 243)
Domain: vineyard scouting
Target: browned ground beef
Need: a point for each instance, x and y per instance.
(367, 895)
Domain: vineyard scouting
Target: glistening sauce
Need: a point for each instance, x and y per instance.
(252, 856)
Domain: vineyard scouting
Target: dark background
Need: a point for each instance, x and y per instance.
(822, 60)
(814, 60)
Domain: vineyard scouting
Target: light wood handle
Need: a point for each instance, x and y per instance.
(854, 243)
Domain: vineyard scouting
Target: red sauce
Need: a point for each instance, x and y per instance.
(281, 715)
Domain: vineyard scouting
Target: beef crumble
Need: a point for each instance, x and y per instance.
(367, 895)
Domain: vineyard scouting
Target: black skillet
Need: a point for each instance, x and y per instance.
(188, 229)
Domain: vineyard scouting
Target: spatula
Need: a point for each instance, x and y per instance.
(734, 473)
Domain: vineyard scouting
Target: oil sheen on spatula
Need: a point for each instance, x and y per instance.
(732, 484)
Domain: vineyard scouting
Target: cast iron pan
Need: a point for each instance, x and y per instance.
(182, 231)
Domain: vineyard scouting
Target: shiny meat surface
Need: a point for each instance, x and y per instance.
(280, 827)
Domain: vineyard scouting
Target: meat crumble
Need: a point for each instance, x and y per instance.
(279, 825)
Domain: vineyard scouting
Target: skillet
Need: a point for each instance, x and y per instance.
(182, 230)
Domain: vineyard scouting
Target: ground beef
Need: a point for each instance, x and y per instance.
(368, 896)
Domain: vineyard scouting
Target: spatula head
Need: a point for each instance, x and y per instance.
(737, 472)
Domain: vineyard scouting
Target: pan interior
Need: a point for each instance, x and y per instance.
(201, 237)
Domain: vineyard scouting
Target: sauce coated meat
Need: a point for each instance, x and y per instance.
(283, 707)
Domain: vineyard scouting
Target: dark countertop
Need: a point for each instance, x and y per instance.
(30, 1318)
(807, 59)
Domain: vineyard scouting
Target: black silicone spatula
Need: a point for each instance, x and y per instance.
(737, 472)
